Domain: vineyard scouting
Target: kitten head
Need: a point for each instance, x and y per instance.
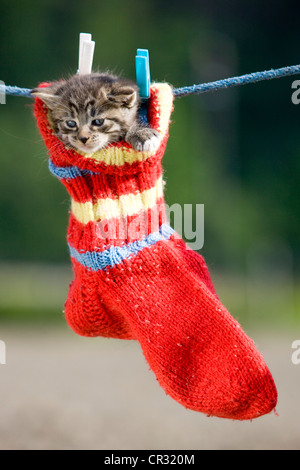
(88, 112)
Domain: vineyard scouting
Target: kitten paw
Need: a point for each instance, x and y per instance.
(144, 140)
(150, 145)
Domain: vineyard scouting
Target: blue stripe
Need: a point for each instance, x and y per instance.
(116, 254)
(68, 172)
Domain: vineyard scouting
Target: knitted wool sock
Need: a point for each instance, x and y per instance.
(136, 279)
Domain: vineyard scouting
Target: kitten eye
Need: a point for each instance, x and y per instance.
(97, 122)
(71, 124)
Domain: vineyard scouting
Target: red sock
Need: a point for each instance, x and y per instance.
(136, 279)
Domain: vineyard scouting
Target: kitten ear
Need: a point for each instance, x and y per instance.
(123, 95)
(47, 95)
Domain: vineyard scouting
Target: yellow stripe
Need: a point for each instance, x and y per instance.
(128, 204)
(120, 155)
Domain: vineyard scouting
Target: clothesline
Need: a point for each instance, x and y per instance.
(193, 89)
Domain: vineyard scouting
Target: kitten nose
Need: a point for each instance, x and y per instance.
(83, 139)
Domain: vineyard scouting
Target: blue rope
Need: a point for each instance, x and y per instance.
(195, 89)
(15, 91)
(236, 81)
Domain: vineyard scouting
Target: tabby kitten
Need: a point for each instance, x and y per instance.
(89, 112)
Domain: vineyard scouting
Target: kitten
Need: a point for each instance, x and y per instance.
(89, 112)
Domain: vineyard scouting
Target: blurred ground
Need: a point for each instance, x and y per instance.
(61, 391)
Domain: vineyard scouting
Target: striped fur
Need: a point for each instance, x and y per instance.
(90, 112)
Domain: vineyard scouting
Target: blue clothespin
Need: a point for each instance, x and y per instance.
(142, 68)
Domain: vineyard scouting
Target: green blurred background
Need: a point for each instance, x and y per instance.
(236, 151)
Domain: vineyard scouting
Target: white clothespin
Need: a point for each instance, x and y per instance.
(86, 53)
